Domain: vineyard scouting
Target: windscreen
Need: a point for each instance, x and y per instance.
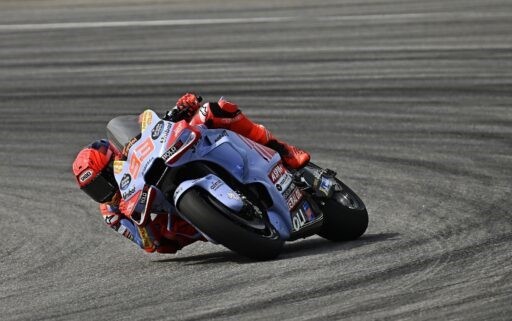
(122, 129)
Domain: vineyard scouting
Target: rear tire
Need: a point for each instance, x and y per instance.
(227, 228)
(342, 223)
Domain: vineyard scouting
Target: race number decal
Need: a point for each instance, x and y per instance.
(141, 152)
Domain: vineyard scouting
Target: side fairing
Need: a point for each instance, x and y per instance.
(250, 162)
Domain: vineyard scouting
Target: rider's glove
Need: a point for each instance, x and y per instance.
(189, 103)
(185, 108)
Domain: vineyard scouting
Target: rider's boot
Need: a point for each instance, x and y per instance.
(292, 156)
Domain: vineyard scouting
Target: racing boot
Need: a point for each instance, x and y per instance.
(292, 156)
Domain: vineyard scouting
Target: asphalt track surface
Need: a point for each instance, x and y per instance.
(410, 101)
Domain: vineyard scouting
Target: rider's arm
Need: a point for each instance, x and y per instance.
(116, 221)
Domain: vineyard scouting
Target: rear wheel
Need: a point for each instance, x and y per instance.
(248, 233)
(345, 216)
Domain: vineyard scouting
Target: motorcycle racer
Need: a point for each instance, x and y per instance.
(167, 232)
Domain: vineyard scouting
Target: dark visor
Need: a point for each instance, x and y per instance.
(100, 188)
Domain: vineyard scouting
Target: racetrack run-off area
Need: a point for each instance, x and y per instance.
(409, 101)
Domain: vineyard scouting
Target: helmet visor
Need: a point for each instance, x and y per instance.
(101, 188)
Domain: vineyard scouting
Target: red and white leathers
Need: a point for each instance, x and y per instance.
(165, 233)
(168, 233)
(225, 114)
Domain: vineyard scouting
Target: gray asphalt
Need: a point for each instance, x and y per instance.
(410, 101)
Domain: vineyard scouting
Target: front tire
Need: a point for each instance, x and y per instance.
(254, 238)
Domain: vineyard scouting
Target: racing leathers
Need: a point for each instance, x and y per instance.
(167, 232)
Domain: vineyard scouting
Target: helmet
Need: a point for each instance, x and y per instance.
(94, 173)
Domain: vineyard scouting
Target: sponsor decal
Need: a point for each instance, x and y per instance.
(125, 181)
(172, 150)
(126, 195)
(294, 198)
(308, 211)
(118, 166)
(145, 119)
(276, 172)
(223, 134)
(298, 220)
(157, 130)
(288, 191)
(303, 215)
(166, 133)
(325, 186)
(146, 241)
(216, 185)
(143, 198)
(85, 176)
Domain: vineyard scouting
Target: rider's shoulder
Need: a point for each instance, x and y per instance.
(222, 108)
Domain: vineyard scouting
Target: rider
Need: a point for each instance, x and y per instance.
(168, 233)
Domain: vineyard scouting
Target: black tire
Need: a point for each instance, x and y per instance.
(225, 227)
(341, 222)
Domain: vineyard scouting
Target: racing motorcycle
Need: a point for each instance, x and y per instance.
(234, 191)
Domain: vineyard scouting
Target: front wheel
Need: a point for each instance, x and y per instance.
(345, 216)
(244, 233)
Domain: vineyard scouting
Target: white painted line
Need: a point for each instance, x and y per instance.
(189, 22)
(141, 23)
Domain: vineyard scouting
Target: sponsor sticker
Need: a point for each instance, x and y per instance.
(146, 241)
(157, 130)
(276, 172)
(172, 150)
(126, 195)
(325, 185)
(143, 198)
(216, 185)
(221, 135)
(118, 166)
(166, 132)
(308, 211)
(294, 198)
(85, 176)
(304, 214)
(298, 220)
(145, 119)
(125, 181)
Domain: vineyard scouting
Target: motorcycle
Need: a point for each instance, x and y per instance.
(234, 191)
